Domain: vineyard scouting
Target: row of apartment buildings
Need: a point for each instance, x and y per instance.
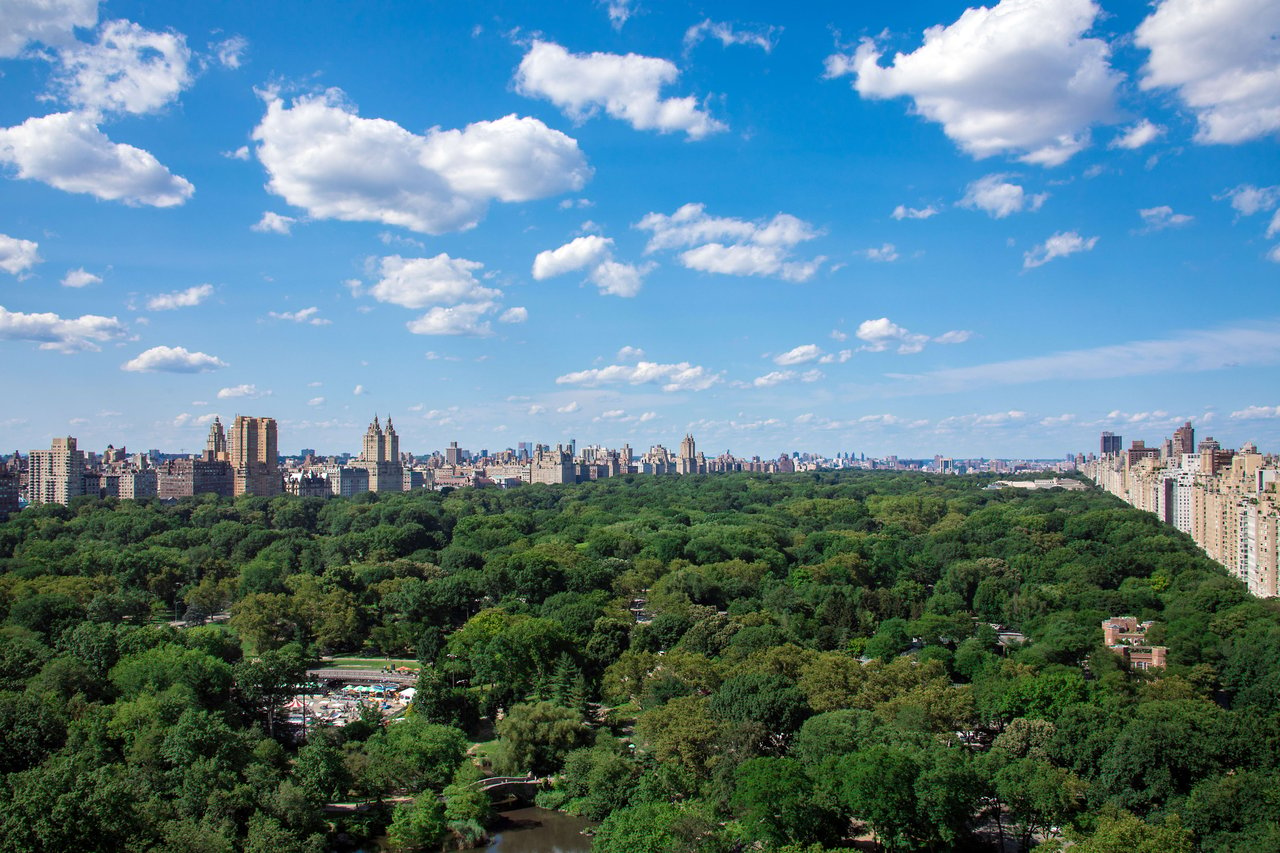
(1226, 500)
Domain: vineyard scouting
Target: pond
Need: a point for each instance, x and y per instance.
(533, 830)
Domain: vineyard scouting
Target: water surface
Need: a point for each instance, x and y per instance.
(534, 830)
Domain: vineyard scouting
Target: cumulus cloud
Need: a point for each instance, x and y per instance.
(625, 87)
(1274, 254)
(1222, 57)
(128, 69)
(51, 332)
(879, 335)
(322, 157)
(273, 223)
(18, 255)
(733, 246)
(247, 391)
(1274, 228)
(630, 353)
(955, 336)
(518, 314)
(777, 377)
(51, 22)
(316, 401)
(904, 212)
(620, 11)
(1000, 198)
(995, 419)
(594, 254)
(730, 34)
(419, 282)
(673, 377)
(164, 359)
(463, 319)
(1257, 412)
(1138, 135)
(230, 52)
(799, 355)
(1159, 218)
(302, 315)
(885, 254)
(1247, 199)
(188, 298)
(1059, 245)
(568, 408)
(69, 152)
(78, 278)
(1019, 77)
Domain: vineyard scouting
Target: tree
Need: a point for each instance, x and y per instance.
(537, 736)
(879, 789)
(1124, 832)
(1038, 796)
(267, 681)
(660, 828)
(769, 700)
(419, 825)
(415, 755)
(774, 798)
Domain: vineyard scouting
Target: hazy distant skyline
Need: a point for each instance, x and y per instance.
(882, 228)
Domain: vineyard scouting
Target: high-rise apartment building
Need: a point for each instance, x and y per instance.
(56, 475)
(1184, 441)
(687, 462)
(380, 456)
(1111, 443)
(215, 446)
(254, 457)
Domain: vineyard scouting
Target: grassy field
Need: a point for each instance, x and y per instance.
(370, 663)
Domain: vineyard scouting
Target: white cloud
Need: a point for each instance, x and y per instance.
(1274, 254)
(577, 254)
(568, 408)
(129, 69)
(1059, 245)
(78, 278)
(230, 51)
(457, 320)
(885, 254)
(358, 391)
(302, 315)
(838, 335)
(241, 153)
(1274, 228)
(172, 360)
(1159, 218)
(620, 11)
(536, 409)
(798, 355)
(324, 158)
(778, 377)
(729, 34)
(837, 357)
(999, 198)
(1212, 349)
(1223, 59)
(69, 152)
(630, 353)
(1020, 77)
(733, 246)
(56, 333)
(955, 336)
(995, 419)
(51, 22)
(1247, 199)
(1257, 412)
(18, 255)
(316, 401)
(273, 223)
(673, 377)
(904, 212)
(879, 335)
(594, 254)
(518, 314)
(626, 87)
(1138, 135)
(419, 282)
(248, 391)
(188, 298)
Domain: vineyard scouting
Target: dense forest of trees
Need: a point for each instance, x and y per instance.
(819, 664)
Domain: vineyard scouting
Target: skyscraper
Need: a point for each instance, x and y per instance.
(1184, 440)
(254, 457)
(687, 462)
(56, 475)
(1111, 443)
(380, 456)
(215, 446)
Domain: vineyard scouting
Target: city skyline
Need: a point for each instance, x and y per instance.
(618, 221)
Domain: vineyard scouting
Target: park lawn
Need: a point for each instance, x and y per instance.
(370, 663)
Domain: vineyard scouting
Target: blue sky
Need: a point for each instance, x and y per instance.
(876, 227)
